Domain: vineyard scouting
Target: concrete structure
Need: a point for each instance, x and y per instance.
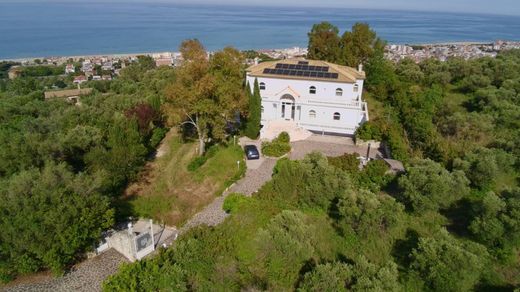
(70, 94)
(14, 72)
(138, 239)
(80, 79)
(318, 96)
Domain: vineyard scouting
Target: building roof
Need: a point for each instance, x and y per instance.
(344, 74)
(67, 93)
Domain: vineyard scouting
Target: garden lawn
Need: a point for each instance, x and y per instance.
(168, 192)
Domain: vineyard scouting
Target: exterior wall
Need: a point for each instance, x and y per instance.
(324, 103)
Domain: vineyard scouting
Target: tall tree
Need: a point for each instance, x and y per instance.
(359, 45)
(324, 42)
(206, 93)
(255, 104)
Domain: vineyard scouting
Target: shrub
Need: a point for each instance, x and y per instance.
(197, 162)
(278, 147)
(369, 131)
(157, 136)
(275, 149)
(233, 202)
(348, 162)
(283, 137)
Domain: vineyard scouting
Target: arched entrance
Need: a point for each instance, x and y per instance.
(288, 107)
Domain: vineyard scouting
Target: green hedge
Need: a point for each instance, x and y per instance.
(278, 147)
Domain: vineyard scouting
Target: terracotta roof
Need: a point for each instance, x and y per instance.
(345, 74)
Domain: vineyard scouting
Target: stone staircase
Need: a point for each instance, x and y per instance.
(272, 129)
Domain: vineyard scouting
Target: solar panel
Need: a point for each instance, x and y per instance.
(301, 70)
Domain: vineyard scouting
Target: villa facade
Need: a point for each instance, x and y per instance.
(315, 95)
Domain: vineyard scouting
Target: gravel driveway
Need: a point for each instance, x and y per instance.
(213, 214)
(86, 276)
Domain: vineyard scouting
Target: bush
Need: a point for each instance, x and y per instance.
(283, 137)
(199, 161)
(369, 131)
(348, 162)
(233, 202)
(278, 147)
(157, 136)
(275, 149)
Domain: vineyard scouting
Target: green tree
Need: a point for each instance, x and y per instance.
(365, 214)
(283, 247)
(360, 276)
(324, 42)
(50, 216)
(428, 186)
(255, 104)
(497, 220)
(445, 264)
(201, 96)
(359, 45)
(484, 166)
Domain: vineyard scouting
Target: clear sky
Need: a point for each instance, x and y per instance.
(511, 7)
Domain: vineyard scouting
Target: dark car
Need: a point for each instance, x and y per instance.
(251, 152)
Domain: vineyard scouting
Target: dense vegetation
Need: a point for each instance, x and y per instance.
(450, 223)
(62, 166)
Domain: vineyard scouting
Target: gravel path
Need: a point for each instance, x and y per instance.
(213, 214)
(86, 276)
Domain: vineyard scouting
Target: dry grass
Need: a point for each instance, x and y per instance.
(168, 192)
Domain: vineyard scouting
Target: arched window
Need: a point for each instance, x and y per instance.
(337, 116)
(262, 86)
(356, 88)
(312, 114)
(339, 92)
(312, 90)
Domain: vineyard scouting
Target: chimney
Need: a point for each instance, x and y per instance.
(360, 68)
(256, 60)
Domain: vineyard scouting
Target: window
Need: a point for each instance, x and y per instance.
(312, 90)
(337, 116)
(339, 92)
(312, 114)
(262, 109)
(356, 88)
(262, 86)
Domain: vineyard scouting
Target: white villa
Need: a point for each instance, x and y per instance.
(315, 95)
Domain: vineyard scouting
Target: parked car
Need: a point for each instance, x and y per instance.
(251, 152)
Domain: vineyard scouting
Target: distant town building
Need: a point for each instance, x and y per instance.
(164, 62)
(69, 68)
(14, 72)
(80, 79)
(315, 95)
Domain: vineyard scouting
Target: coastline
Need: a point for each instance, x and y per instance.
(132, 55)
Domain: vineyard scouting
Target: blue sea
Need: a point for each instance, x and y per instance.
(61, 29)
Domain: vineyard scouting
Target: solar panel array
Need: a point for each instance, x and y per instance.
(301, 70)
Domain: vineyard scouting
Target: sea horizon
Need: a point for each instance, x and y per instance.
(58, 29)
